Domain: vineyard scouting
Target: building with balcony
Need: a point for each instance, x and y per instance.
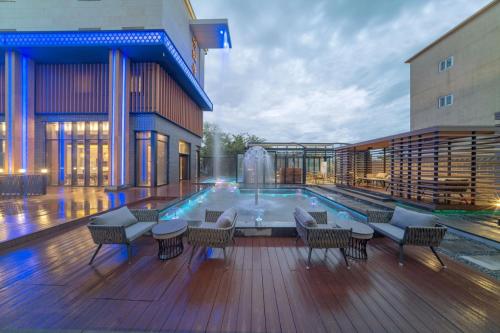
(104, 93)
(455, 81)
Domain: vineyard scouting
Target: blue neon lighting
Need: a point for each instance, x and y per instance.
(24, 134)
(123, 115)
(113, 128)
(10, 137)
(221, 32)
(111, 39)
(61, 153)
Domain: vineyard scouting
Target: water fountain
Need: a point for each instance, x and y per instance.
(257, 169)
(217, 152)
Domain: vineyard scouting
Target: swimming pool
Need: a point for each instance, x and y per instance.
(275, 207)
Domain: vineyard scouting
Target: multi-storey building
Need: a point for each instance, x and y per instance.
(456, 79)
(104, 92)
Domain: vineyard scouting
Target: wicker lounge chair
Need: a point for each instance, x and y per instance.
(320, 235)
(121, 226)
(209, 234)
(407, 227)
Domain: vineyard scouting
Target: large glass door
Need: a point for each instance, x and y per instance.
(77, 153)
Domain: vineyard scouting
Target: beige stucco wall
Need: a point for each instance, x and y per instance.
(54, 15)
(474, 80)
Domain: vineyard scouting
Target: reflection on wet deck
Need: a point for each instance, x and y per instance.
(24, 216)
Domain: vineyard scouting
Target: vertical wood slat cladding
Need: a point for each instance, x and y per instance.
(153, 90)
(71, 88)
(2, 88)
(440, 168)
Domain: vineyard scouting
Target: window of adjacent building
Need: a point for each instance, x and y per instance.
(446, 64)
(444, 101)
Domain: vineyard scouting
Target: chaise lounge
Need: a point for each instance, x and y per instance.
(121, 226)
(407, 227)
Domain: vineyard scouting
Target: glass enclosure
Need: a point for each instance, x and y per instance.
(76, 153)
(299, 163)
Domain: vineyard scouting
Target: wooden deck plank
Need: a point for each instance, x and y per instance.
(265, 287)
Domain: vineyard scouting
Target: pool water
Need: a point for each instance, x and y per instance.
(275, 206)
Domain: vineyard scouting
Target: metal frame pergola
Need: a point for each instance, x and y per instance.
(294, 161)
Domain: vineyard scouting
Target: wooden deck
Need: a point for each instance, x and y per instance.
(48, 285)
(24, 218)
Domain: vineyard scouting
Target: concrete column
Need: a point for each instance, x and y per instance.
(119, 89)
(19, 113)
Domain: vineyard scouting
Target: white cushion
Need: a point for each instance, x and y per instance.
(118, 217)
(305, 218)
(226, 219)
(138, 229)
(389, 230)
(405, 218)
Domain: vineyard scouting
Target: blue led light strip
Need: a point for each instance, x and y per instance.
(24, 140)
(113, 128)
(123, 115)
(9, 113)
(61, 153)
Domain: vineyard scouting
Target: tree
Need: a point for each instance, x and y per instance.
(231, 144)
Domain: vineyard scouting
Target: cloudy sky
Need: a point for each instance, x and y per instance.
(320, 71)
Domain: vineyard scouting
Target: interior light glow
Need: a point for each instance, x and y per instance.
(44, 171)
(22, 170)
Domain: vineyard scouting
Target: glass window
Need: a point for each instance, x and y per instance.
(446, 64)
(93, 129)
(161, 160)
(445, 101)
(68, 129)
(184, 148)
(143, 157)
(52, 131)
(80, 129)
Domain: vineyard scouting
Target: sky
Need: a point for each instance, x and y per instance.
(320, 71)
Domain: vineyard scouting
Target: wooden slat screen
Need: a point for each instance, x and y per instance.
(71, 88)
(2, 88)
(153, 90)
(442, 169)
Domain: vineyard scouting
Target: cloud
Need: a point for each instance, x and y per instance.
(318, 71)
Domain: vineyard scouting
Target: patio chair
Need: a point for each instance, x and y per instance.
(121, 226)
(315, 232)
(216, 231)
(407, 227)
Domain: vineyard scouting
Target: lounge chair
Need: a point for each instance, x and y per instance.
(216, 231)
(316, 233)
(407, 227)
(121, 226)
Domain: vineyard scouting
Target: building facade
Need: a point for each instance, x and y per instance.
(455, 81)
(104, 93)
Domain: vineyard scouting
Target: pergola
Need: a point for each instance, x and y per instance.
(441, 167)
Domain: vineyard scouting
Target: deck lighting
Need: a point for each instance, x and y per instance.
(44, 171)
(22, 170)
(1, 170)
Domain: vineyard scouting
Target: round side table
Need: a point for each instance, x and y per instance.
(169, 236)
(361, 234)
